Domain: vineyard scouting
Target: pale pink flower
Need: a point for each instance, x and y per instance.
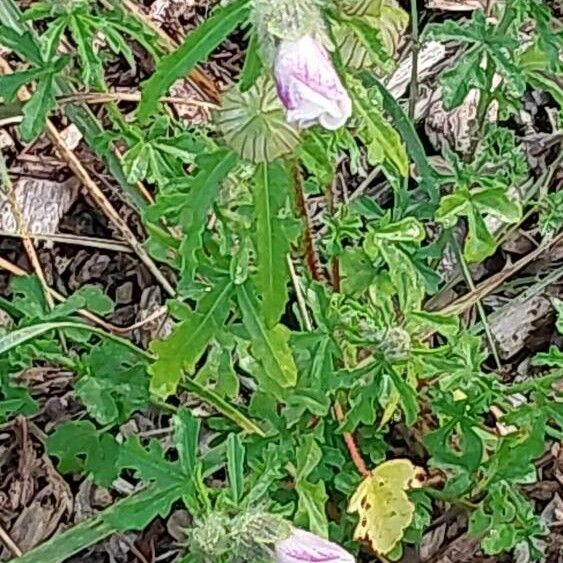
(306, 547)
(308, 85)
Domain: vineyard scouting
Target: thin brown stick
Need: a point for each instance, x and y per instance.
(338, 412)
(351, 443)
(22, 229)
(100, 198)
(314, 269)
(10, 543)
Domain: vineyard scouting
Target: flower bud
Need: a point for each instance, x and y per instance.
(305, 547)
(308, 85)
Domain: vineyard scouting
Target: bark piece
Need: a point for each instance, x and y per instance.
(43, 203)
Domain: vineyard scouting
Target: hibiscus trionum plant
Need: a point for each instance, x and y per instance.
(328, 326)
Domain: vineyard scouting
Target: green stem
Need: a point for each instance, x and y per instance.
(401, 199)
(469, 280)
(222, 406)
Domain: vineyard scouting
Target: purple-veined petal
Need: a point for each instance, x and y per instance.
(308, 85)
(305, 547)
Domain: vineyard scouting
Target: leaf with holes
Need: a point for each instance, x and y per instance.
(383, 507)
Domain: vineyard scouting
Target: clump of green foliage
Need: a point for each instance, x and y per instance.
(297, 348)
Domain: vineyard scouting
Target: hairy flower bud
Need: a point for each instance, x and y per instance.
(308, 85)
(210, 535)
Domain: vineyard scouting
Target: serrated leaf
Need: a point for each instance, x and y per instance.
(451, 30)
(407, 396)
(552, 358)
(458, 80)
(196, 47)
(80, 447)
(384, 143)
(189, 339)
(23, 43)
(272, 190)
(37, 109)
(203, 191)
(150, 464)
(79, 26)
(384, 509)
(270, 347)
(469, 447)
(362, 47)
(11, 83)
(374, 30)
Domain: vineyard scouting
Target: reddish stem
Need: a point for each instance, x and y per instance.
(308, 243)
(335, 273)
(335, 262)
(351, 444)
(315, 270)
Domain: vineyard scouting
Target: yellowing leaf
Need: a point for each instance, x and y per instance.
(383, 507)
(375, 41)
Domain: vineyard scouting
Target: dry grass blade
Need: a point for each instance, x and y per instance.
(9, 543)
(483, 289)
(90, 242)
(76, 166)
(21, 226)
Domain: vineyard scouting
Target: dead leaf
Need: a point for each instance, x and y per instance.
(512, 324)
(43, 204)
(456, 5)
(383, 507)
